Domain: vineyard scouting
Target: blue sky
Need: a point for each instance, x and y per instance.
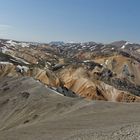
(70, 20)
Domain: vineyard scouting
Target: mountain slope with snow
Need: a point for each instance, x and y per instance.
(92, 70)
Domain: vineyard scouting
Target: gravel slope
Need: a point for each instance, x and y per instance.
(31, 111)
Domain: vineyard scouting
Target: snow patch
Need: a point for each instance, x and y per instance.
(106, 62)
(22, 68)
(123, 47)
(11, 42)
(21, 60)
(86, 61)
(5, 63)
(4, 49)
(127, 43)
(24, 45)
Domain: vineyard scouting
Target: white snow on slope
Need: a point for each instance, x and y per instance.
(13, 43)
(127, 43)
(24, 45)
(22, 68)
(106, 62)
(5, 63)
(4, 49)
(21, 60)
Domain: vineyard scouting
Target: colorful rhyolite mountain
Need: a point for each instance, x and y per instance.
(96, 71)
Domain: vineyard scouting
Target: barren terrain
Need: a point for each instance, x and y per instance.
(69, 91)
(29, 110)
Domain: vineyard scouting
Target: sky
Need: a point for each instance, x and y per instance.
(70, 20)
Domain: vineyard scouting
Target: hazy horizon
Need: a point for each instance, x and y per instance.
(68, 41)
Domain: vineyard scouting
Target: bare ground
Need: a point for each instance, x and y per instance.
(30, 111)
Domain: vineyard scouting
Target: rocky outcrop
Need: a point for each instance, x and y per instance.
(45, 76)
(66, 92)
(7, 70)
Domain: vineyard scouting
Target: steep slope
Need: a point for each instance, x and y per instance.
(123, 67)
(82, 82)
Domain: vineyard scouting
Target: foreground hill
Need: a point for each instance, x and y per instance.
(30, 110)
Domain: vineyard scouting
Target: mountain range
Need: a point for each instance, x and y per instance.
(91, 70)
(69, 91)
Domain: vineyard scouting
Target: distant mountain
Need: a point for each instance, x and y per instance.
(57, 43)
(118, 43)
